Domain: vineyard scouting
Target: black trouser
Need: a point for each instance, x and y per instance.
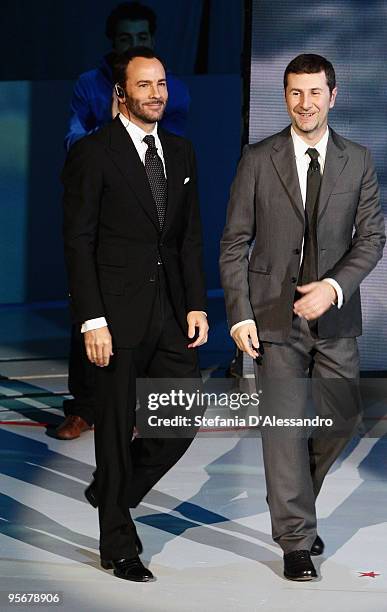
(81, 379)
(127, 471)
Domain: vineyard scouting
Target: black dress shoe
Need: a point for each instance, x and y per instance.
(298, 565)
(317, 547)
(90, 494)
(129, 569)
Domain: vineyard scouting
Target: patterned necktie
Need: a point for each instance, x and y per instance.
(156, 177)
(308, 272)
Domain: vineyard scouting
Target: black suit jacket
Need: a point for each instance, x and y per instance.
(112, 237)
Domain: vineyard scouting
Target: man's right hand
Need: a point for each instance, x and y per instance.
(98, 343)
(246, 339)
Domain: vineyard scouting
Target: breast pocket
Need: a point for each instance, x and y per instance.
(346, 193)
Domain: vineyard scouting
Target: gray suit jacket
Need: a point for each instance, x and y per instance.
(266, 206)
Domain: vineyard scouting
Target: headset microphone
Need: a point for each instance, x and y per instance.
(119, 91)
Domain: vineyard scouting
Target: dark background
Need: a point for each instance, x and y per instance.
(45, 46)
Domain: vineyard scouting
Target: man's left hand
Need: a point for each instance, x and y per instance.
(198, 319)
(317, 299)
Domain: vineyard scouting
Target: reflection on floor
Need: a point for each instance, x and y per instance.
(205, 528)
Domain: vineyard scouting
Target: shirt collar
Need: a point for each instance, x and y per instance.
(135, 132)
(300, 146)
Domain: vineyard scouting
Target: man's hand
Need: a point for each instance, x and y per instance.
(317, 299)
(246, 338)
(98, 343)
(195, 318)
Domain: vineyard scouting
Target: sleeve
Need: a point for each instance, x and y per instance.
(338, 289)
(369, 237)
(191, 250)
(235, 327)
(92, 324)
(83, 186)
(235, 243)
(81, 120)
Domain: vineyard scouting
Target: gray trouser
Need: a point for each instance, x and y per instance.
(304, 377)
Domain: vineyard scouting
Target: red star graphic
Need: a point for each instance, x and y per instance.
(368, 574)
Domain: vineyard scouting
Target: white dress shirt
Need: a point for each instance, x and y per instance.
(302, 163)
(137, 135)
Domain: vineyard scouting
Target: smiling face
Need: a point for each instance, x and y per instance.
(308, 100)
(146, 92)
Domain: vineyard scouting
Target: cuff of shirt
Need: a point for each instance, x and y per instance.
(338, 289)
(93, 324)
(234, 327)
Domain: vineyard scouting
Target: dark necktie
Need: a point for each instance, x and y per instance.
(308, 272)
(158, 183)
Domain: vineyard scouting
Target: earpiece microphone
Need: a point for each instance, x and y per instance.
(119, 91)
(121, 95)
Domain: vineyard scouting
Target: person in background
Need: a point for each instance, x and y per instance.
(130, 24)
(94, 104)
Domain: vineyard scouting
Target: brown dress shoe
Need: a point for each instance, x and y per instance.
(71, 428)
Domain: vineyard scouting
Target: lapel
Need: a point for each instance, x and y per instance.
(284, 160)
(174, 159)
(335, 161)
(125, 156)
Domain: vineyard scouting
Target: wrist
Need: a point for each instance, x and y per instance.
(334, 296)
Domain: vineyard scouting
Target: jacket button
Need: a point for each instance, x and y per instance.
(294, 279)
(296, 251)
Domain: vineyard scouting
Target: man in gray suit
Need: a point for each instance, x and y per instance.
(309, 199)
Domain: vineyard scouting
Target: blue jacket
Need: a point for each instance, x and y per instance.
(92, 99)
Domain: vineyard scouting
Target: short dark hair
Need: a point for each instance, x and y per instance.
(133, 11)
(310, 63)
(121, 60)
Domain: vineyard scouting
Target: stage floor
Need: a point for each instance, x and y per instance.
(205, 528)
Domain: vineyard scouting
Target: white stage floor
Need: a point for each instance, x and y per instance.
(205, 530)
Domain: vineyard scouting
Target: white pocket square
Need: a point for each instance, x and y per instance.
(186, 180)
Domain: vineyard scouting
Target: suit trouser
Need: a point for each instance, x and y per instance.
(82, 374)
(127, 471)
(304, 377)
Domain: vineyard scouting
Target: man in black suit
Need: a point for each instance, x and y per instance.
(94, 104)
(134, 258)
